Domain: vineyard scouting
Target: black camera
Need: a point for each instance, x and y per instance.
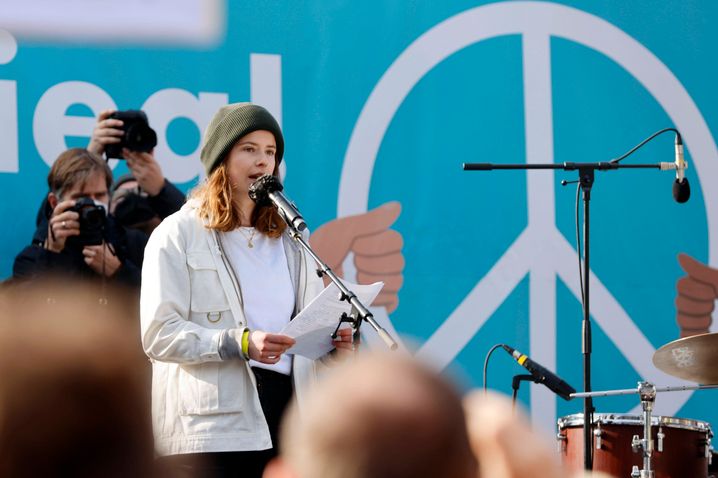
(93, 219)
(138, 136)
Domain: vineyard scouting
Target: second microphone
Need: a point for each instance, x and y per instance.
(541, 374)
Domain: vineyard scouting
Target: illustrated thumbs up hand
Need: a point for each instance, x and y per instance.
(697, 292)
(376, 248)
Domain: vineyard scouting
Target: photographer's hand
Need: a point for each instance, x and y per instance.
(62, 224)
(101, 259)
(106, 132)
(146, 171)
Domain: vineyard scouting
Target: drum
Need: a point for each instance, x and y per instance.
(681, 448)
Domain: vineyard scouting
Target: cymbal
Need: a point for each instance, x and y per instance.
(691, 358)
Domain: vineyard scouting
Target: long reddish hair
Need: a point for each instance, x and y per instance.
(216, 205)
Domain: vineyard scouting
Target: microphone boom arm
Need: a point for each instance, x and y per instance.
(567, 166)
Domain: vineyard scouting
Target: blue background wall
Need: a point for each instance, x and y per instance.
(469, 107)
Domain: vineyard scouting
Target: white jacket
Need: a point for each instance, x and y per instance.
(190, 294)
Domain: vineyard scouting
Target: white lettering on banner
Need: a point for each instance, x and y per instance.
(166, 105)
(265, 88)
(9, 162)
(51, 123)
(8, 47)
(265, 82)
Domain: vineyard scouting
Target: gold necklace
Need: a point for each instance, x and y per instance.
(249, 237)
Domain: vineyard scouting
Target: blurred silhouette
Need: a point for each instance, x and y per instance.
(380, 416)
(73, 399)
(505, 444)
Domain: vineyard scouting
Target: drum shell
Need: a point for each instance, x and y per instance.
(684, 445)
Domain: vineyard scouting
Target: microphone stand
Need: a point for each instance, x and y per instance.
(359, 312)
(586, 173)
(516, 383)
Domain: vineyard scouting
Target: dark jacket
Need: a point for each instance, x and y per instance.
(168, 201)
(34, 261)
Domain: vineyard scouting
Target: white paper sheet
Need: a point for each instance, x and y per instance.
(313, 326)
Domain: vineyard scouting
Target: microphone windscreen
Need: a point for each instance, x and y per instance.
(681, 190)
(260, 189)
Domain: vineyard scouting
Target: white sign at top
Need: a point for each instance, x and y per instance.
(194, 22)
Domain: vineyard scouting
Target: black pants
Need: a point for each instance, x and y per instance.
(275, 392)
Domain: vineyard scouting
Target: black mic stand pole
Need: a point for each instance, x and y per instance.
(359, 312)
(586, 178)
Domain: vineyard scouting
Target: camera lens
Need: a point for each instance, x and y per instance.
(140, 137)
(94, 216)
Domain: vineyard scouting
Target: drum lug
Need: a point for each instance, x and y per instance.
(560, 441)
(709, 453)
(660, 435)
(636, 473)
(636, 444)
(598, 433)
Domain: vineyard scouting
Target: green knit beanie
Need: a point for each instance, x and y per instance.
(232, 122)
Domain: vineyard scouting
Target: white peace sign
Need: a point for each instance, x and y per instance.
(537, 22)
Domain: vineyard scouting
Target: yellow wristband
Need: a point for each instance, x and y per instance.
(245, 344)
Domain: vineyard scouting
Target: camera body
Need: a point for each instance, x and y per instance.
(138, 136)
(93, 219)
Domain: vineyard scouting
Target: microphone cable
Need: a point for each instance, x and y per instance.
(486, 365)
(578, 239)
(581, 279)
(578, 247)
(639, 145)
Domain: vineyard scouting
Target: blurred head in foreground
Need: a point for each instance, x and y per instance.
(380, 416)
(71, 395)
(504, 442)
(506, 445)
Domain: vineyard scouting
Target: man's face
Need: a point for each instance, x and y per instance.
(94, 188)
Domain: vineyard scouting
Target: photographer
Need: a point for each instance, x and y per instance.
(150, 197)
(78, 239)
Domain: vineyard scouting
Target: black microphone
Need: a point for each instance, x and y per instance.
(681, 188)
(268, 190)
(541, 375)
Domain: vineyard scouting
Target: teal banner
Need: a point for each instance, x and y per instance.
(381, 102)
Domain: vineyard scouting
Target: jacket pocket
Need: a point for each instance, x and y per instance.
(212, 388)
(207, 293)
